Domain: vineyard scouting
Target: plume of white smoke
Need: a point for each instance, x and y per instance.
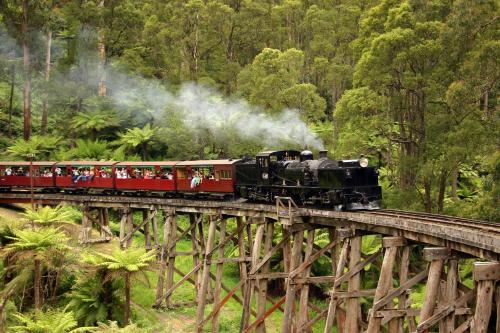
(202, 108)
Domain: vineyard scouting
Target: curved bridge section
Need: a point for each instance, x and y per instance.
(386, 244)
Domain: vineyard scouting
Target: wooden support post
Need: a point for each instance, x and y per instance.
(291, 288)
(391, 245)
(218, 275)
(497, 300)
(193, 221)
(332, 306)
(486, 274)
(436, 256)
(403, 277)
(451, 293)
(256, 249)
(171, 242)
(130, 226)
(304, 291)
(287, 249)
(100, 213)
(163, 257)
(241, 249)
(155, 231)
(147, 235)
(202, 294)
(249, 283)
(262, 289)
(351, 322)
(84, 231)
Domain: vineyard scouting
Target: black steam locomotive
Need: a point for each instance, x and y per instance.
(344, 185)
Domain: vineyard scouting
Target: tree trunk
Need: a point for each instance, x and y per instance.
(454, 184)
(427, 195)
(37, 284)
(442, 189)
(45, 111)
(27, 74)
(102, 58)
(11, 97)
(57, 279)
(127, 298)
(144, 151)
(3, 303)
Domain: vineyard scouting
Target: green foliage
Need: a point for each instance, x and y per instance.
(41, 146)
(93, 123)
(135, 137)
(128, 260)
(51, 321)
(47, 215)
(92, 303)
(90, 150)
(37, 241)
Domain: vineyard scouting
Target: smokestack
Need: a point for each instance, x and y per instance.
(323, 154)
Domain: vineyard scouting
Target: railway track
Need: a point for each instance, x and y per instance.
(441, 219)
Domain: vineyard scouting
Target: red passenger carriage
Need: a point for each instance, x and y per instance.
(209, 176)
(145, 176)
(84, 175)
(16, 174)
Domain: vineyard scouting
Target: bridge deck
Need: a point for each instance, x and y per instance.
(477, 238)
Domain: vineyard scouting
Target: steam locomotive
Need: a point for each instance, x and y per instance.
(346, 184)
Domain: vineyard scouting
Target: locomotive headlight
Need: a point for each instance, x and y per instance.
(363, 162)
(265, 175)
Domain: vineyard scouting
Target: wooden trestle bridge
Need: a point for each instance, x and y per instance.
(301, 236)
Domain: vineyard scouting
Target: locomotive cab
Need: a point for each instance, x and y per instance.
(271, 163)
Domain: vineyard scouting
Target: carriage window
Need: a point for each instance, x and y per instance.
(61, 171)
(104, 172)
(8, 171)
(263, 162)
(166, 173)
(274, 158)
(225, 174)
(181, 173)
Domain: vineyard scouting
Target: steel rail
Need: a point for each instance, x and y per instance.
(442, 219)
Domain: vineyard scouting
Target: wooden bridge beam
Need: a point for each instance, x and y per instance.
(436, 256)
(391, 245)
(486, 274)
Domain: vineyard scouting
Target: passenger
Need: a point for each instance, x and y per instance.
(8, 171)
(75, 175)
(58, 172)
(196, 181)
(137, 173)
(20, 171)
(148, 175)
(91, 175)
(212, 176)
(118, 174)
(170, 176)
(47, 173)
(124, 173)
(103, 173)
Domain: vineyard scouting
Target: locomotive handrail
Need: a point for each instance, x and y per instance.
(289, 209)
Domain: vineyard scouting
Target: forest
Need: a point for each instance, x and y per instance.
(411, 84)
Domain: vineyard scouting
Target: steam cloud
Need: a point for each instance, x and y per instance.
(202, 108)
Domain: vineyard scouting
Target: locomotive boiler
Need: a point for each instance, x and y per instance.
(343, 185)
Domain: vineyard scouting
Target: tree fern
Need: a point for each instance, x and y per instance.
(51, 321)
(47, 215)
